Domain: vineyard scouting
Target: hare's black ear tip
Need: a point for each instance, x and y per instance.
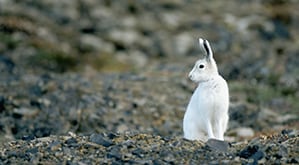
(201, 41)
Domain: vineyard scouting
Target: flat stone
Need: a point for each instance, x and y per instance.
(252, 152)
(100, 139)
(218, 145)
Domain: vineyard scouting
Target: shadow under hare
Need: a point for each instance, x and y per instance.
(206, 116)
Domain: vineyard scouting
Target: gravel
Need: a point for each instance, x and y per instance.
(130, 148)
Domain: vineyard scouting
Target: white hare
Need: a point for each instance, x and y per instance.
(207, 112)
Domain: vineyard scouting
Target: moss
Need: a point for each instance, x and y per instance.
(108, 63)
(257, 94)
(53, 60)
(10, 42)
(263, 94)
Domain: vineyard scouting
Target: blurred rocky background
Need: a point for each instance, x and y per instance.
(90, 66)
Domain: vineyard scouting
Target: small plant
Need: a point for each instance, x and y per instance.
(53, 60)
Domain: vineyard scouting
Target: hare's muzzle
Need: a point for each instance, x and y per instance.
(190, 76)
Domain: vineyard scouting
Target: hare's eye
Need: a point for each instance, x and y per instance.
(201, 66)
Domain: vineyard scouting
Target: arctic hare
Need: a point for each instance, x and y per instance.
(207, 112)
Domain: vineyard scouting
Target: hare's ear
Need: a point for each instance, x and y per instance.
(205, 46)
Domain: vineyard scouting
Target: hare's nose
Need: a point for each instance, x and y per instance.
(190, 76)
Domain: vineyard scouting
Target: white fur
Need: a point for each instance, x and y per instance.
(207, 112)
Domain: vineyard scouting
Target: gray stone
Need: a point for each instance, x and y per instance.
(218, 145)
(100, 139)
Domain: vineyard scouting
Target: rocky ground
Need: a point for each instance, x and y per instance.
(105, 82)
(141, 148)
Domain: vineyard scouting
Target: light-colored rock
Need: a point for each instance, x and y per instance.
(285, 118)
(245, 132)
(129, 22)
(125, 37)
(4, 2)
(184, 43)
(171, 20)
(63, 8)
(135, 58)
(25, 112)
(96, 43)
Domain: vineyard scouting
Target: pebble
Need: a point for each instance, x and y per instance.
(88, 41)
(100, 139)
(251, 152)
(25, 112)
(54, 146)
(245, 132)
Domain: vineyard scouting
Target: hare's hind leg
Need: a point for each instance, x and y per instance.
(218, 130)
(224, 124)
(220, 127)
(209, 130)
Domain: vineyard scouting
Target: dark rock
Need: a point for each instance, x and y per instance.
(71, 141)
(244, 115)
(248, 151)
(258, 155)
(11, 154)
(114, 153)
(111, 135)
(117, 162)
(35, 103)
(8, 64)
(139, 152)
(33, 150)
(282, 152)
(281, 29)
(28, 137)
(286, 131)
(2, 102)
(37, 90)
(17, 115)
(252, 152)
(100, 139)
(293, 161)
(217, 145)
(54, 146)
(42, 131)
